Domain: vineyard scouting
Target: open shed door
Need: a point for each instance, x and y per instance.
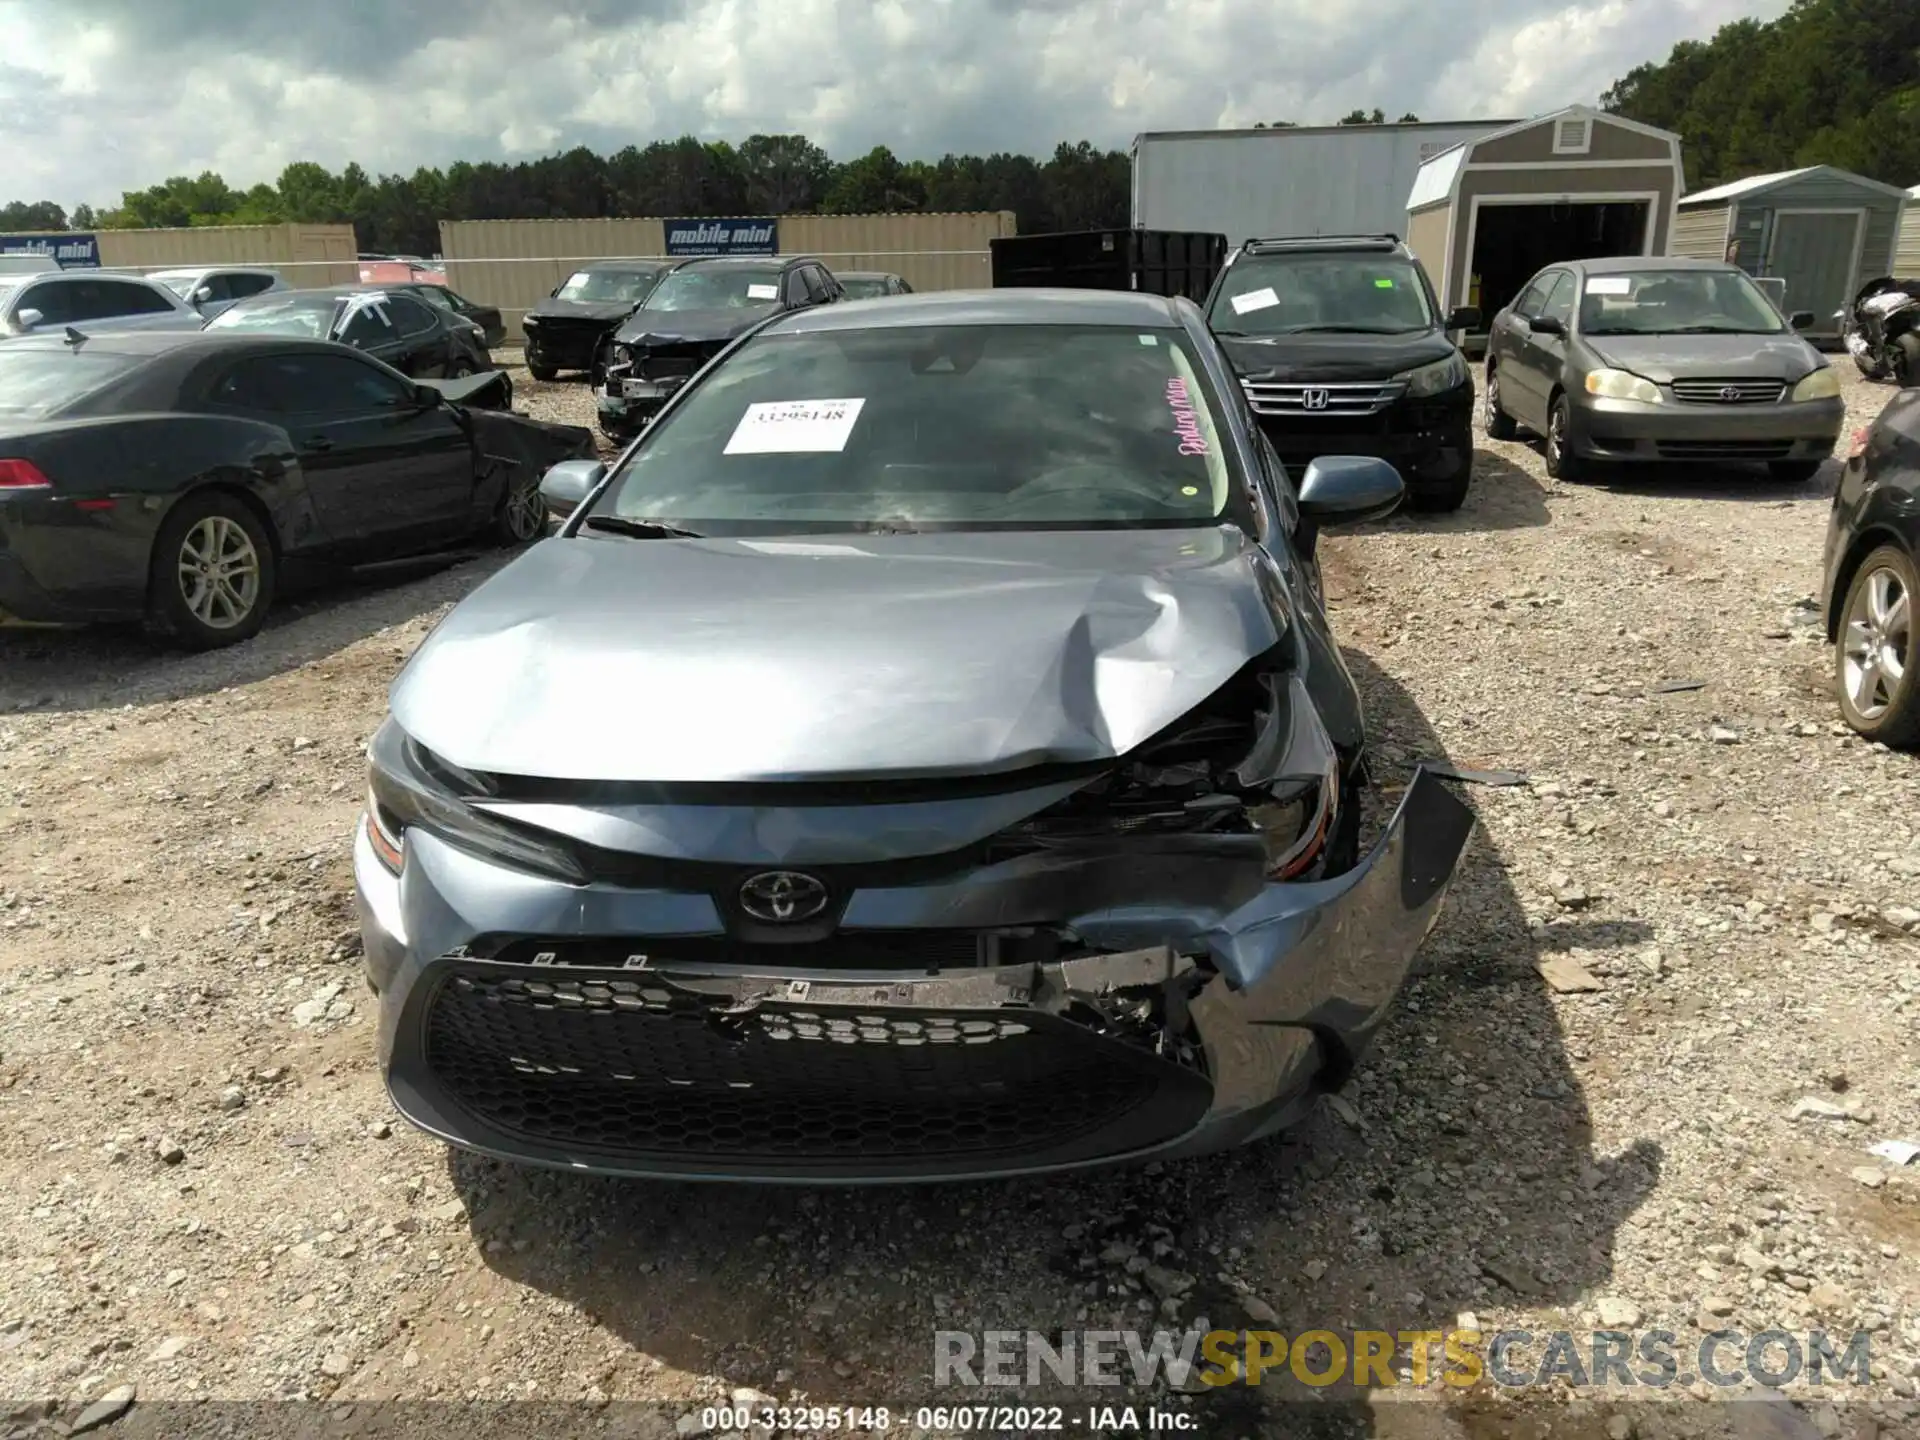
(1814, 254)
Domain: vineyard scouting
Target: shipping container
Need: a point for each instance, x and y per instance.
(1300, 180)
(1160, 262)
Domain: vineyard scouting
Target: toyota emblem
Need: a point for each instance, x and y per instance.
(1314, 399)
(1730, 393)
(782, 896)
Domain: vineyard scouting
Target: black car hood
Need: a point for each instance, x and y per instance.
(1333, 357)
(681, 327)
(610, 312)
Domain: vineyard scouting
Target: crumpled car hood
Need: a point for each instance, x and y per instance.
(521, 441)
(608, 311)
(679, 327)
(600, 657)
(1663, 358)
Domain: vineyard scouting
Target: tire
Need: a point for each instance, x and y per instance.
(1906, 361)
(1878, 621)
(184, 599)
(1562, 464)
(522, 518)
(1500, 425)
(460, 370)
(1444, 493)
(1793, 472)
(597, 372)
(543, 373)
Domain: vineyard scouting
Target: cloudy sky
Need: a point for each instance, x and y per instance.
(97, 96)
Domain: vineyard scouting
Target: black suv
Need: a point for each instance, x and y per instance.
(1342, 350)
(570, 329)
(695, 312)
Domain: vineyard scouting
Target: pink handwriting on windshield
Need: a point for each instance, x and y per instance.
(1192, 442)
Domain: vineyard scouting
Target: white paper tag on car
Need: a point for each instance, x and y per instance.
(794, 427)
(1261, 299)
(763, 292)
(1609, 285)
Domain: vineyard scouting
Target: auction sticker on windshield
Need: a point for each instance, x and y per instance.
(1608, 285)
(763, 292)
(794, 427)
(1260, 299)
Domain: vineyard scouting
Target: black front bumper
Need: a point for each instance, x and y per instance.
(565, 343)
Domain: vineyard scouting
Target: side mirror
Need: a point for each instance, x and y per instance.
(1465, 317)
(564, 486)
(554, 293)
(203, 294)
(1802, 319)
(27, 319)
(1547, 325)
(426, 397)
(1349, 490)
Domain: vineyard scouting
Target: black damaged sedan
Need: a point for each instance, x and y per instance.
(977, 784)
(185, 478)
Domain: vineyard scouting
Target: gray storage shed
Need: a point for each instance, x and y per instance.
(1906, 255)
(1577, 184)
(1825, 232)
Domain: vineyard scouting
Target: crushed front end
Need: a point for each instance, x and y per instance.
(1156, 956)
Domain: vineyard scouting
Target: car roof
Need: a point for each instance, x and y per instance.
(1125, 309)
(865, 275)
(211, 270)
(74, 277)
(612, 264)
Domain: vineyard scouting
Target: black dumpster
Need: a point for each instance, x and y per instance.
(1160, 262)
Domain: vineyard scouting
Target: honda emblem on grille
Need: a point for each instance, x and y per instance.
(1314, 399)
(783, 896)
(1730, 393)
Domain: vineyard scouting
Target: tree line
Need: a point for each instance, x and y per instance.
(1831, 82)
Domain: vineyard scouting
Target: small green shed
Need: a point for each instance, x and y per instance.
(1906, 258)
(1822, 231)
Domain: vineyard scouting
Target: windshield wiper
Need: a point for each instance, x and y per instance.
(640, 529)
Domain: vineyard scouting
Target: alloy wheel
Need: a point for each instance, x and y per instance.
(1879, 629)
(525, 513)
(1493, 395)
(219, 573)
(1556, 436)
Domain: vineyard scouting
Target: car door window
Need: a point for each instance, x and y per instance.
(367, 327)
(122, 297)
(309, 385)
(796, 287)
(819, 286)
(242, 286)
(441, 299)
(1559, 302)
(1530, 300)
(411, 318)
(54, 302)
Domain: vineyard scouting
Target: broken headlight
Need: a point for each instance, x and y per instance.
(409, 787)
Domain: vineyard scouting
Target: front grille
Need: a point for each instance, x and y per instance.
(1729, 392)
(846, 950)
(632, 1068)
(1307, 400)
(672, 362)
(1725, 449)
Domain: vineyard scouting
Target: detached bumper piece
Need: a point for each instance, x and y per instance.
(961, 1073)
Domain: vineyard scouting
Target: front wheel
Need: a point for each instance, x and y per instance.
(1562, 463)
(459, 370)
(1877, 652)
(1500, 425)
(1906, 361)
(523, 514)
(1446, 491)
(543, 373)
(213, 572)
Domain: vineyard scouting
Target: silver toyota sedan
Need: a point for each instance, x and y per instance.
(1659, 359)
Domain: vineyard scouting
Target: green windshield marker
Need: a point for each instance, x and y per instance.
(1383, 284)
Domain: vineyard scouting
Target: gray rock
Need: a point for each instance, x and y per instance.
(170, 1347)
(1314, 1269)
(335, 1363)
(1166, 1283)
(169, 1152)
(1618, 1314)
(233, 1098)
(1721, 735)
(104, 1411)
(1567, 976)
(1869, 1176)
(1258, 1311)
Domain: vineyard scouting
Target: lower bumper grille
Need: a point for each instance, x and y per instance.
(1725, 449)
(629, 1068)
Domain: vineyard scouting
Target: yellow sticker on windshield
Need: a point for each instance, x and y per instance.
(1189, 489)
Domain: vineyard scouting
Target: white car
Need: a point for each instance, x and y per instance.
(92, 300)
(213, 288)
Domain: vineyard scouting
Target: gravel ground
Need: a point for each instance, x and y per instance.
(212, 1200)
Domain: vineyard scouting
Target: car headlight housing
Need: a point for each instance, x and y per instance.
(529, 322)
(1440, 375)
(1822, 384)
(410, 788)
(1622, 385)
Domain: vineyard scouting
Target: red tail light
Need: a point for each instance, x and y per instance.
(1854, 451)
(22, 475)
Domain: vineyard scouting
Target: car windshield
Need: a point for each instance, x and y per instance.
(309, 316)
(1356, 293)
(863, 287)
(1676, 302)
(37, 383)
(621, 287)
(1013, 427)
(716, 288)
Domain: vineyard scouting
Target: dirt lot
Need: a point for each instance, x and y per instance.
(212, 1200)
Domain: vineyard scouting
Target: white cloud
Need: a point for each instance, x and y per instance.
(136, 90)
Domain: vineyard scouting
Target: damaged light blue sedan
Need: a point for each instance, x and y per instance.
(923, 755)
